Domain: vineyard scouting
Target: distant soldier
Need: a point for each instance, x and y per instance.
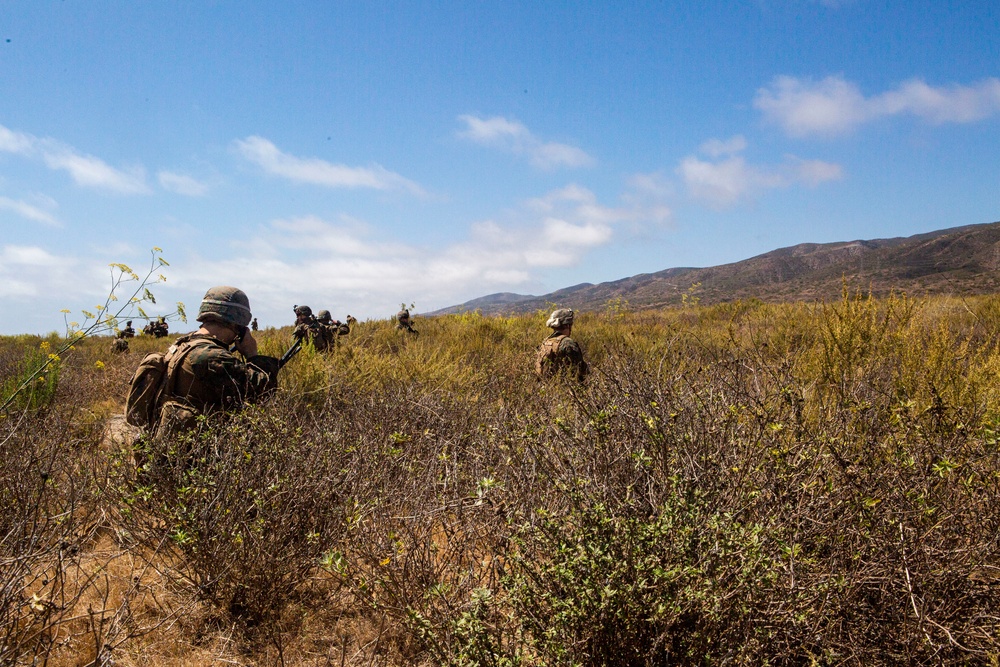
(334, 328)
(403, 322)
(351, 321)
(128, 331)
(149, 329)
(203, 375)
(308, 328)
(559, 353)
(253, 324)
(160, 328)
(119, 345)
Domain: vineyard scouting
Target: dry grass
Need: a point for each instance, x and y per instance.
(742, 483)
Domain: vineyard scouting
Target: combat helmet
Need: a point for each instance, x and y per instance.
(560, 318)
(225, 304)
(302, 311)
(324, 316)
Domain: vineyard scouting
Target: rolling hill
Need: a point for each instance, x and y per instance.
(960, 260)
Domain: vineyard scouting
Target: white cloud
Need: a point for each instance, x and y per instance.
(85, 170)
(89, 171)
(181, 184)
(515, 138)
(718, 147)
(268, 157)
(724, 183)
(30, 211)
(346, 266)
(834, 106)
(29, 271)
(814, 172)
(15, 142)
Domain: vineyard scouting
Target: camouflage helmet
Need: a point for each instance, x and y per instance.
(225, 304)
(560, 318)
(324, 316)
(302, 311)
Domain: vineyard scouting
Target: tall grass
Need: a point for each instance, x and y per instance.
(741, 483)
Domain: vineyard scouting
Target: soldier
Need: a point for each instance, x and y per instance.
(333, 327)
(128, 331)
(559, 353)
(253, 324)
(309, 329)
(203, 376)
(119, 345)
(351, 321)
(403, 322)
(160, 328)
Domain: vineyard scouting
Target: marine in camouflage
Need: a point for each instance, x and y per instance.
(310, 329)
(403, 322)
(203, 376)
(559, 354)
(208, 378)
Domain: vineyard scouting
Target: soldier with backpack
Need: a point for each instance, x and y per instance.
(403, 321)
(334, 328)
(308, 328)
(559, 353)
(200, 374)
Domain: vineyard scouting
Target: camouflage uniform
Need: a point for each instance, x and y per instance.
(128, 331)
(559, 353)
(203, 376)
(403, 321)
(334, 328)
(309, 328)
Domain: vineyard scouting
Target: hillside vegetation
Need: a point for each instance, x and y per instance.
(959, 261)
(739, 483)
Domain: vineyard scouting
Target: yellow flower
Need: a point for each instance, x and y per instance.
(44, 346)
(99, 365)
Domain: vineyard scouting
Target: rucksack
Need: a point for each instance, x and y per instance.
(547, 354)
(151, 378)
(141, 406)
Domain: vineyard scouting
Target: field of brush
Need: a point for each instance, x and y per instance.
(736, 484)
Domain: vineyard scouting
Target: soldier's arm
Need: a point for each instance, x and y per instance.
(234, 381)
(572, 351)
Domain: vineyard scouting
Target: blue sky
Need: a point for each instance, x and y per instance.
(353, 156)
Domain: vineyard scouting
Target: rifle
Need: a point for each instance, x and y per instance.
(291, 352)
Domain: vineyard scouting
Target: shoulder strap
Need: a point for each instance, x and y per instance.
(175, 355)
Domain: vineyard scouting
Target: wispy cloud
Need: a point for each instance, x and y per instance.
(85, 170)
(833, 106)
(515, 138)
(182, 184)
(31, 211)
(727, 178)
(15, 142)
(89, 171)
(345, 264)
(29, 271)
(315, 171)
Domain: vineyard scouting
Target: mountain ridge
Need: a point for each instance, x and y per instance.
(961, 260)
